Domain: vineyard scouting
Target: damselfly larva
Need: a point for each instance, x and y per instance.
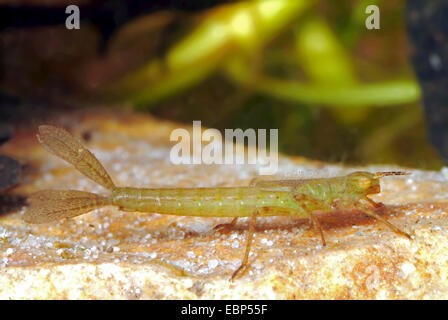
(298, 198)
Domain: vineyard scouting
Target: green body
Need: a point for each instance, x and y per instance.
(268, 198)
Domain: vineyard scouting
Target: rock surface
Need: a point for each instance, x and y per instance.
(111, 254)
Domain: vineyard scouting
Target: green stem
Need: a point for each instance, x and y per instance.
(375, 94)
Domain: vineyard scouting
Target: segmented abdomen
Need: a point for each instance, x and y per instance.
(206, 202)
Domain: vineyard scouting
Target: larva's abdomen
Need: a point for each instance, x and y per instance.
(205, 202)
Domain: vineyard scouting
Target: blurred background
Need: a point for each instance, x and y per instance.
(336, 91)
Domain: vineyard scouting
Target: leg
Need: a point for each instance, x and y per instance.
(225, 227)
(254, 182)
(373, 203)
(318, 228)
(371, 213)
(310, 204)
(243, 266)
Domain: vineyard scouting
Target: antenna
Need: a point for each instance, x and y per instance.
(391, 173)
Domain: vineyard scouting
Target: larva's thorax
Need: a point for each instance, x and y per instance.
(350, 188)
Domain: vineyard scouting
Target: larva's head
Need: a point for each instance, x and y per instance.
(366, 183)
(363, 183)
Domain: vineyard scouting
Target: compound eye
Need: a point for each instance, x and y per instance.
(364, 183)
